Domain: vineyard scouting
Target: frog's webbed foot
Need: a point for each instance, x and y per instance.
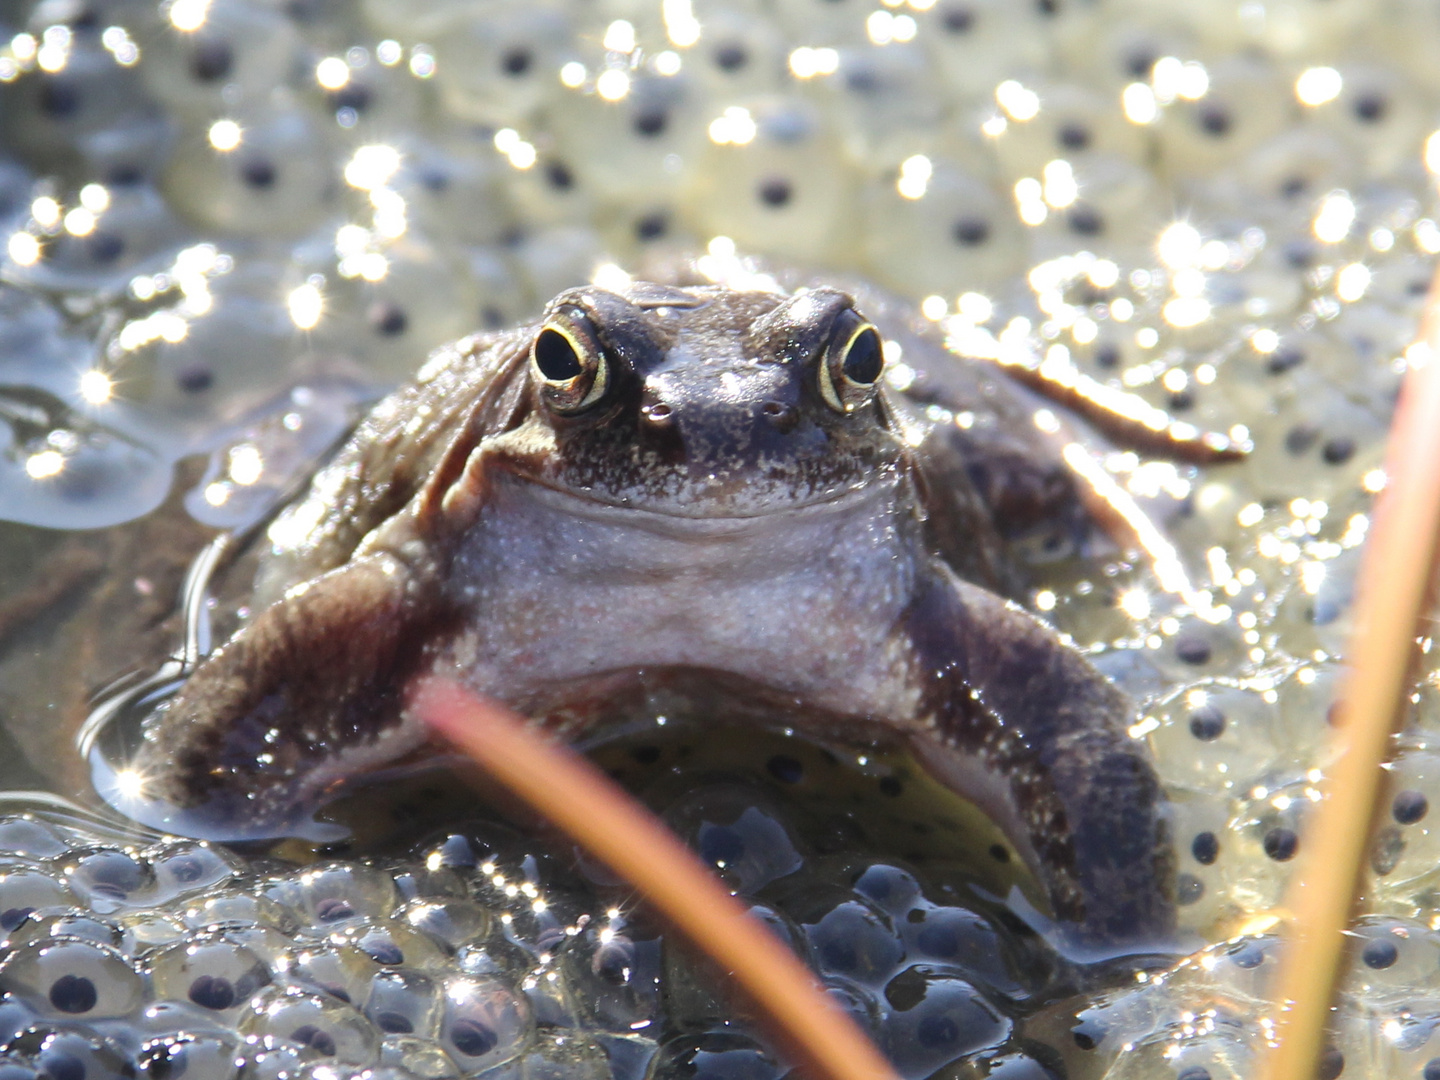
(308, 691)
(1011, 716)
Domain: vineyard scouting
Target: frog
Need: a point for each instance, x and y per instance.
(682, 477)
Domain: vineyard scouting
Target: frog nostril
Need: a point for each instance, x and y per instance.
(781, 415)
(657, 413)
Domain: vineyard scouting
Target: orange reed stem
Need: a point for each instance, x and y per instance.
(579, 799)
(1393, 591)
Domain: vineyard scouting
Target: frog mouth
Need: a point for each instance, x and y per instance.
(697, 504)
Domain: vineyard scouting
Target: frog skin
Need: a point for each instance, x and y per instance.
(694, 479)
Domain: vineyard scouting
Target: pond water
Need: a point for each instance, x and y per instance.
(228, 225)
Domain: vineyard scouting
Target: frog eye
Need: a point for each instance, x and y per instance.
(570, 363)
(851, 365)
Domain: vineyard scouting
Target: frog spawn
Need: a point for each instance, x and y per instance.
(1274, 180)
(473, 957)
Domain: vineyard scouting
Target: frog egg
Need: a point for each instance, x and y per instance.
(130, 233)
(849, 937)
(954, 937)
(1318, 438)
(501, 67)
(454, 922)
(147, 931)
(958, 235)
(785, 190)
(26, 837)
(1291, 28)
(109, 879)
(724, 1055)
(1125, 49)
(329, 897)
(740, 834)
(71, 1055)
(1114, 210)
(403, 1003)
(237, 909)
(341, 971)
(196, 1056)
(548, 195)
(423, 301)
(1245, 105)
(66, 978)
(1224, 1054)
(1406, 844)
(1390, 960)
(485, 1024)
(563, 1056)
(1305, 699)
(23, 891)
(429, 882)
(319, 1027)
(242, 52)
(1204, 729)
(456, 190)
(894, 890)
(392, 944)
(209, 971)
(1379, 117)
(91, 479)
(883, 100)
(1376, 334)
(974, 45)
(613, 974)
(416, 1057)
(377, 104)
(1277, 183)
(1198, 648)
(48, 115)
(1266, 834)
(1073, 123)
(936, 1019)
(71, 924)
(637, 147)
(1199, 827)
(739, 52)
(279, 179)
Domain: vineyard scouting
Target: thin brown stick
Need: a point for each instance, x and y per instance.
(1393, 591)
(823, 1041)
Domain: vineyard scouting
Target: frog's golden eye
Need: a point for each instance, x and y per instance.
(570, 363)
(852, 364)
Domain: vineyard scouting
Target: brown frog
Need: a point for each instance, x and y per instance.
(693, 479)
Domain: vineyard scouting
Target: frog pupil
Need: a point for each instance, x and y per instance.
(555, 356)
(864, 359)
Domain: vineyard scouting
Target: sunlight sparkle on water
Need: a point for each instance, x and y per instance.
(306, 305)
(45, 464)
(96, 387)
(23, 248)
(1317, 85)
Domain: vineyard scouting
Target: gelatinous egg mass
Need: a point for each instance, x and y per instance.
(226, 225)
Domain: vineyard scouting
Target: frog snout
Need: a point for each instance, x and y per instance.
(704, 434)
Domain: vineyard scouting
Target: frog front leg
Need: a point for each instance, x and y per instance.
(1011, 715)
(307, 693)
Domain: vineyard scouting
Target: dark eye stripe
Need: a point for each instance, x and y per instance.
(556, 357)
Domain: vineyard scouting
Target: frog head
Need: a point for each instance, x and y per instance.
(703, 402)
